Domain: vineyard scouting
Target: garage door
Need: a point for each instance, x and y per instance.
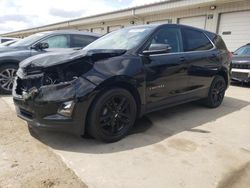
(235, 29)
(197, 21)
(114, 28)
(99, 30)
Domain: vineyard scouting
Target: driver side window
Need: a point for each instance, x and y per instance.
(170, 36)
(59, 41)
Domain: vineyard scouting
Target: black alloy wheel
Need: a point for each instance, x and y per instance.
(115, 115)
(216, 92)
(112, 115)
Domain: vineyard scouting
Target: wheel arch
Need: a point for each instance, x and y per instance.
(116, 82)
(132, 89)
(224, 74)
(124, 82)
(9, 62)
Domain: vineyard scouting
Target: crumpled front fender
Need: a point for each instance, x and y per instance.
(65, 91)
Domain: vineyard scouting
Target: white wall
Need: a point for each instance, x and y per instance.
(211, 24)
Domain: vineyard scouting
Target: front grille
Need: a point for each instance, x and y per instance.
(241, 65)
(240, 75)
(27, 84)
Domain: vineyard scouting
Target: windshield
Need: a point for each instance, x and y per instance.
(125, 39)
(29, 40)
(244, 50)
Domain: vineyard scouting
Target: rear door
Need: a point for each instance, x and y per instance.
(166, 73)
(203, 60)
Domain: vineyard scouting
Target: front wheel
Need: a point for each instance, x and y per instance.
(216, 92)
(7, 76)
(112, 115)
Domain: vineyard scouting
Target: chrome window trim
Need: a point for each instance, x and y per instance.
(198, 51)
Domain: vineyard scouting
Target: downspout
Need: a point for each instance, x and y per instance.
(136, 17)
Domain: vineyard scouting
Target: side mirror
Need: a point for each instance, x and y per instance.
(40, 46)
(157, 49)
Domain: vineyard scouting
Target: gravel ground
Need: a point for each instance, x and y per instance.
(26, 162)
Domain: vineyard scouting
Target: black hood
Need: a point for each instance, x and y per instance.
(57, 58)
(241, 59)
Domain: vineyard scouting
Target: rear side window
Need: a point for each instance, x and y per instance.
(81, 40)
(195, 40)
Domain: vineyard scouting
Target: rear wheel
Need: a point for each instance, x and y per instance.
(112, 115)
(216, 92)
(7, 76)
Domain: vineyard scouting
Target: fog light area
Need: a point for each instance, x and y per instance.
(66, 108)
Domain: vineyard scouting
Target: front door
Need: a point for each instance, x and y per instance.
(55, 43)
(166, 73)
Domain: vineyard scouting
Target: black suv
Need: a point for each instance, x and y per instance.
(103, 88)
(241, 64)
(10, 56)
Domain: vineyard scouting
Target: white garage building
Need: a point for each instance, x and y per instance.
(229, 18)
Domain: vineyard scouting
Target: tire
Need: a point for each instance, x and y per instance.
(7, 75)
(112, 115)
(216, 92)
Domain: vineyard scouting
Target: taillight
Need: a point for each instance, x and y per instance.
(230, 57)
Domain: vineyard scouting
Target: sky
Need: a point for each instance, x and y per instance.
(22, 14)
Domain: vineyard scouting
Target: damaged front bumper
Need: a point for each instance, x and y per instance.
(61, 107)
